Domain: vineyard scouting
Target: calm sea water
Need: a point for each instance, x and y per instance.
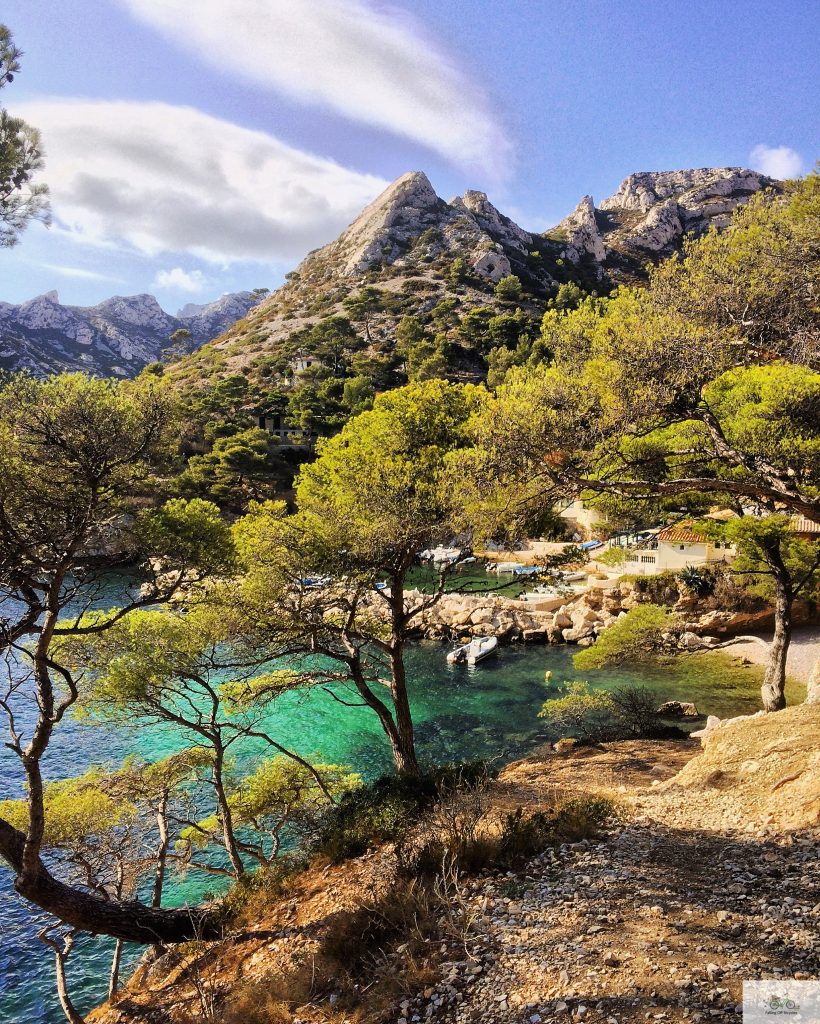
(461, 714)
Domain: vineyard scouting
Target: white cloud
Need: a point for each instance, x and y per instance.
(365, 59)
(168, 179)
(192, 281)
(776, 161)
(78, 272)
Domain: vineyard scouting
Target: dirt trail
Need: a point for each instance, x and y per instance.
(711, 877)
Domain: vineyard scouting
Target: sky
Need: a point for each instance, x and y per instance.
(197, 147)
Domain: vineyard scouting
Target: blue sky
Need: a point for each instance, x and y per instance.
(202, 146)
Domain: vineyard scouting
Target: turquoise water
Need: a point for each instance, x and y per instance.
(460, 714)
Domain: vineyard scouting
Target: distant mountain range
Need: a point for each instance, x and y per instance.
(421, 251)
(116, 338)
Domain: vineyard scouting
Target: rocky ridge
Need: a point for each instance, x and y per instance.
(407, 241)
(652, 212)
(117, 337)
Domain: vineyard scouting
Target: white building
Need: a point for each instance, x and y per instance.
(675, 548)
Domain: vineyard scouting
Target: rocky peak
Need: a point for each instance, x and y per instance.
(132, 309)
(582, 233)
(645, 189)
(490, 220)
(401, 212)
(652, 211)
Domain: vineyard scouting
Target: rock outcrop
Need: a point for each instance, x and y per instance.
(653, 211)
(117, 337)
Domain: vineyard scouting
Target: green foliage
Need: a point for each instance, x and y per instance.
(280, 793)
(634, 636)
(767, 545)
(21, 158)
(698, 580)
(377, 488)
(614, 557)
(358, 394)
(508, 288)
(187, 534)
(239, 467)
(581, 713)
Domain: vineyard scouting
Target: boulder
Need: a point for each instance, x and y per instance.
(565, 745)
(678, 709)
(690, 642)
(534, 636)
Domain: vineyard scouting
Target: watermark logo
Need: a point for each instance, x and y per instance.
(797, 1000)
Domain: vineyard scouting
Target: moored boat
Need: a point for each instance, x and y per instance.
(474, 651)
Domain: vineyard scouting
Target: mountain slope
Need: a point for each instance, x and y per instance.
(117, 337)
(440, 262)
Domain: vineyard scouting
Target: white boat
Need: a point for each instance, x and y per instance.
(506, 567)
(476, 650)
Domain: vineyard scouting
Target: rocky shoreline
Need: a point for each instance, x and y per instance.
(574, 619)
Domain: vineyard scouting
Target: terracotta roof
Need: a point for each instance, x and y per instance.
(800, 524)
(682, 533)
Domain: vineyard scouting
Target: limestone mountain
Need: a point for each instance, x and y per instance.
(652, 212)
(116, 337)
(418, 286)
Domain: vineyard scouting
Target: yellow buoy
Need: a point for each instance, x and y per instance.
(547, 677)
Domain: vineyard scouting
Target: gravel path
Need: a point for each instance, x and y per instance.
(649, 923)
(803, 652)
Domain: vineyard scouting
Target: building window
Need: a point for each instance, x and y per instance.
(683, 547)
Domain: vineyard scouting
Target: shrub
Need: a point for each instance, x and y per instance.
(612, 557)
(387, 809)
(508, 288)
(700, 581)
(635, 709)
(585, 714)
(634, 636)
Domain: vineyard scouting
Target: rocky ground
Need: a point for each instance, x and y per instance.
(707, 877)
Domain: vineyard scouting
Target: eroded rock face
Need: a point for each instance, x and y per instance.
(582, 232)
(409, 214)
(653, 211)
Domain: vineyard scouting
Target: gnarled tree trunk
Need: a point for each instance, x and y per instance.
(86, 912)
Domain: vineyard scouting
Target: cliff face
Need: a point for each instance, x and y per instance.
(117, 337)
(419, 249)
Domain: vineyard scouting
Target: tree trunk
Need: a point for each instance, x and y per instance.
(813, 685)
(132, 922)
(774, 681)
(114, 976)
(60, 956)
(162, 852)
(405, 753)
(225, 815)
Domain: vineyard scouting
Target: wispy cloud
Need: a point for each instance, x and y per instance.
(167, 179)
(192, 281)
(365, 59)
(776, 161)
(78, 272)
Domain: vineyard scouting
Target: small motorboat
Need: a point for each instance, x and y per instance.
(471, 653)
(313, 582)
(501, 567)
